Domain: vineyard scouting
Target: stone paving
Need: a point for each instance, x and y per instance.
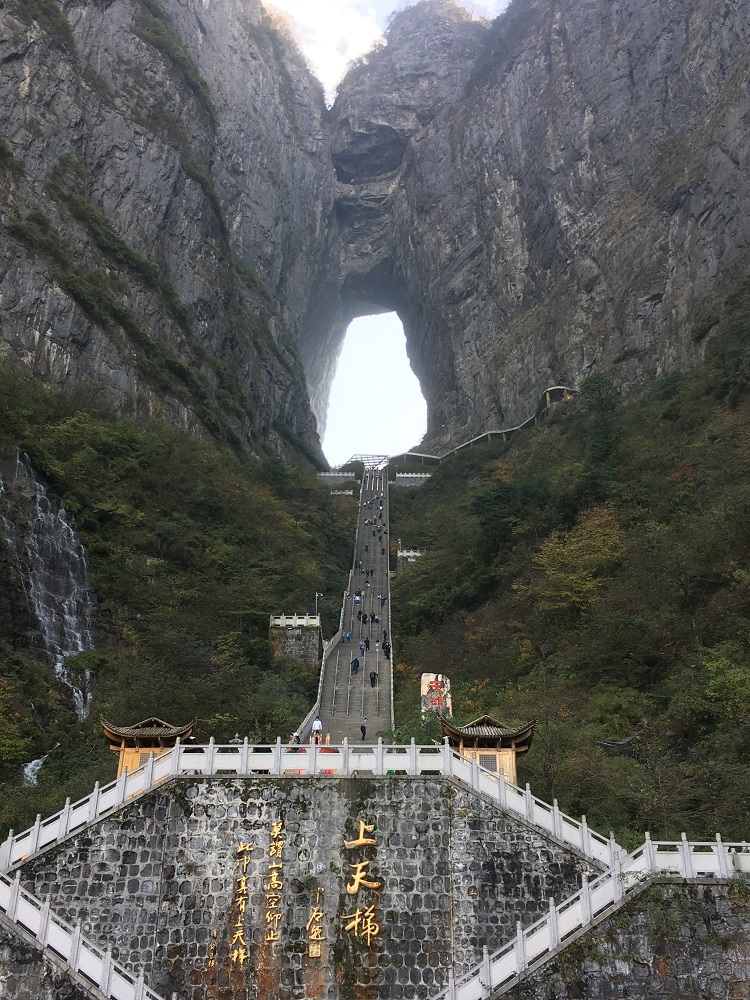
(347, 697)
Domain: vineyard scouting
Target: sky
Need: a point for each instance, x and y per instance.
(331, 33)
(377, 407)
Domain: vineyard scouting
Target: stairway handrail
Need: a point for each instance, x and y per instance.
(576, 914)
(543, 406)
(56, 935)
(212, 759)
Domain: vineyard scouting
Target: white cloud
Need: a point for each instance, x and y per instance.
(331, 33)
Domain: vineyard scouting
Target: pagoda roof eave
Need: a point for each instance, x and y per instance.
(485, 727)
(152, 728)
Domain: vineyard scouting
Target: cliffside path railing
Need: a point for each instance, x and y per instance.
(67, 943)
(532, 945)
(279, 759)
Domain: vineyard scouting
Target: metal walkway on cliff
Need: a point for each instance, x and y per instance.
(350, 695)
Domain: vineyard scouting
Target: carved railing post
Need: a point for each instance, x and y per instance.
(105, 977)
(486, 970)
(148, 772)
(36, 831)
(585, 900)
(686, 857)
(557, 822)
(554, 928)
(6, 852)
(446, 758)
(75, 946)
(721, 858)
(245, 757)
(93, 809)
(585, 837)
(43, 929)
(529, 803)
(15, 892)
(379, 767)
(520, 948)
(618, 886)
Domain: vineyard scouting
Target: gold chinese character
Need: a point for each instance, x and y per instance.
(276, 829)
(274, 882)
(362, 924)
(242, 904)
(272, 935)
(273, 917)
(314, 949)
(358, 879)
(316, 934)
(242, 885)
(319, 894)
(275, 865)
(274, 851)
(361, 839)
(244, 848)
(315, 917)
(239, 955)
(273, 899)
(239, 936)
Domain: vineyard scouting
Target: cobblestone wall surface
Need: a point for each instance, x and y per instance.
(246, 886)
(671, 942)
(26, 975)
(299, 643)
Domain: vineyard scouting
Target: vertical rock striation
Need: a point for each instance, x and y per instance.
(542, 196)
(563, 211)
(166, 176)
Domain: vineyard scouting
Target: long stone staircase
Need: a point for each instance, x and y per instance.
(346, 697)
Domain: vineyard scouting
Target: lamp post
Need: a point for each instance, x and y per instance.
(317, 595)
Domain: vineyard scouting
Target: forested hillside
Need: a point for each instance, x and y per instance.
(594, 574)
(190, 548)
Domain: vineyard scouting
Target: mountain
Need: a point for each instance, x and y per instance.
(555, 193)
(166, 176)
(186, 231)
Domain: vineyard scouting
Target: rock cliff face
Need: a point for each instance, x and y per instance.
(160, 230)
(553, 193)
(563, 210)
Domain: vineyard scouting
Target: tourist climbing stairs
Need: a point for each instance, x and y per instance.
(358, 677)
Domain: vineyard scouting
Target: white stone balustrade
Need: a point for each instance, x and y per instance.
(68, 944)
(624, 873)
(295, 621)
(596, 899)
(309, 760)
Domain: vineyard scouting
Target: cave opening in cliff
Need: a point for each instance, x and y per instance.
(376, 404)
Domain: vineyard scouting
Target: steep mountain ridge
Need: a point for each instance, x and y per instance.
(557, 192)
(569, 211)
(159, 230)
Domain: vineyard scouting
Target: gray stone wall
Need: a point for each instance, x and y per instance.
(671, 942)
(26, 974)
(167, 883)
(299, 643)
